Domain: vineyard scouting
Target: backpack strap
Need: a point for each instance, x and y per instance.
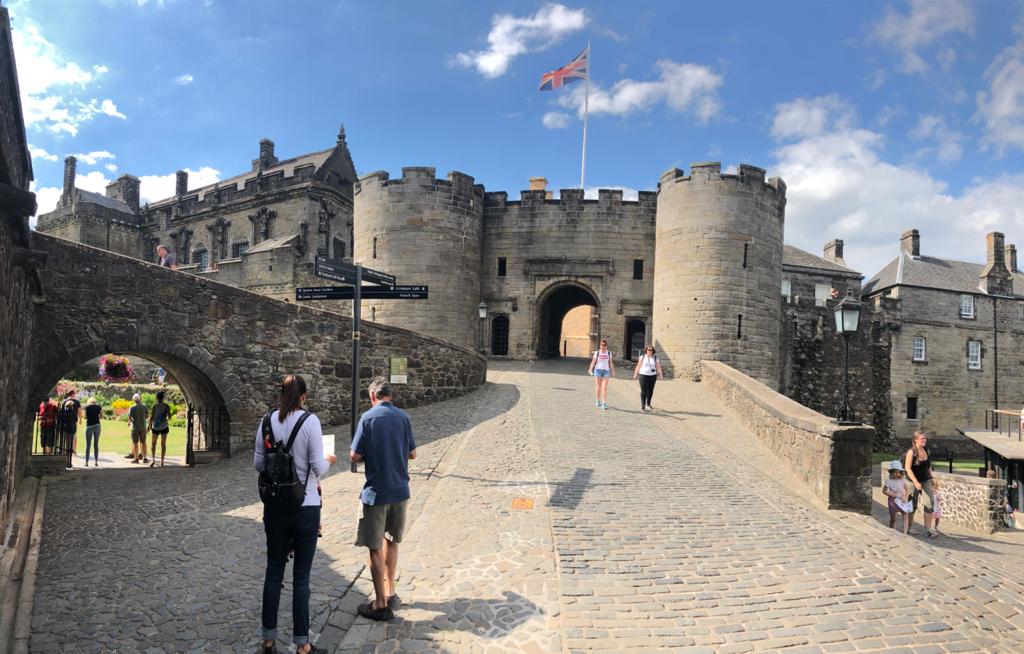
(295, 431)
(268, 433)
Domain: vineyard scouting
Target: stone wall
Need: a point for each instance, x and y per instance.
(226, 347)
(716, 285)
(972, 502)
(949, 394)
(19, 284)
(833, 461)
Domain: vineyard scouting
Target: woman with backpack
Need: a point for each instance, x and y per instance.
(648, 368)
(289, 446)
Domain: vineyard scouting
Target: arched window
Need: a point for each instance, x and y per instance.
(499, 335)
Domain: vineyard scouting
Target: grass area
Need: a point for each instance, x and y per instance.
(116, 436)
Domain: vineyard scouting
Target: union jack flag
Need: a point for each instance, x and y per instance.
(572, 71)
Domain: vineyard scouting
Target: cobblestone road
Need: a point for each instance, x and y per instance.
(670, 531)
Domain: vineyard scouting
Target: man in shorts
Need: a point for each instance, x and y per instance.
(137, 416)
(384, 442)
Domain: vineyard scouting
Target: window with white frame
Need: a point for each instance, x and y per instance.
(919, 348)
(787, 290)
(966, 306)
(974, 355)
(822, 293)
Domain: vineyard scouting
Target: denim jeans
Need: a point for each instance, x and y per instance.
(92, 436)
(298, 530)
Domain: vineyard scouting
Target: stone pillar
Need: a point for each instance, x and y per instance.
(1011, 258)
(125, 189)
(910, 242)
(995, 278)
(834, 251)
(70, 166)
(180, 183)
(267, 158)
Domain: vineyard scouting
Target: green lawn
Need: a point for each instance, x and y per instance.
(116, 436)
(942, 465)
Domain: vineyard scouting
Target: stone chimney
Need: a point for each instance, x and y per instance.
(540, 184)
(180, 183)
(125, 189)
(910, 242)
(267, 158)
(834, 251)
(1011, 258)
(70, 166)
(995, 278)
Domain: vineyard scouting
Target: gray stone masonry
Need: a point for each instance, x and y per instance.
(833, 461)
(972, 502)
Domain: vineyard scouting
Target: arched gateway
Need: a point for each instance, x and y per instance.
(553, 305)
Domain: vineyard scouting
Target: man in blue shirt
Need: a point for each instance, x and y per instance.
(384, 443)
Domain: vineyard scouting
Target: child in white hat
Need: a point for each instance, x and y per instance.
(898, 492)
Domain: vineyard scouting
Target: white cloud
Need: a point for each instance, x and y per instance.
(51, 85)
(511, 36)
(947, 141)
(46, 200)
(94, 181)
(927, 23)
(184, 80)
(94, 157)
(1002, 107)
(40, 153)
(556, 120)
(111, 167)
(805, 117)
(683, 87)
(840, 186)
(158, 187)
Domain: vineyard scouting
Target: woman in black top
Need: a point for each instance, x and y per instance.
(919, 470)
(93, 413)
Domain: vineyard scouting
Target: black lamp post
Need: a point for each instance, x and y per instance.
(847, 314)
(482, 311)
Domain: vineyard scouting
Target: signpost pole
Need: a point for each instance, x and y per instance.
(356, 301)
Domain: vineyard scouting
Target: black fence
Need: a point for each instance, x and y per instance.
(208, 429)
(55, 434)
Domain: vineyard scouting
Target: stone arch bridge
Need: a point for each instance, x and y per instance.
(228, 348)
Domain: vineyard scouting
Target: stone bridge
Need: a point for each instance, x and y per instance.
(228, 348)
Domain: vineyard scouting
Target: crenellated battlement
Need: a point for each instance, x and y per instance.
(711, 171)
(607, 199)
(421, 176)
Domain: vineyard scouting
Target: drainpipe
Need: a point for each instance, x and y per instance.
(995, 351)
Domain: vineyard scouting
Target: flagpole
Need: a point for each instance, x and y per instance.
(586, 115)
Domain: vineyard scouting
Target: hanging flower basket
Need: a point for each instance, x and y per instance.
(115, 369)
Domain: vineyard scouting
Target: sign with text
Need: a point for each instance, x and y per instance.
(367, 293)
(339, 271)
(399, 370)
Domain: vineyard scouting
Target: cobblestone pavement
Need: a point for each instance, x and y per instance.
(671, 531)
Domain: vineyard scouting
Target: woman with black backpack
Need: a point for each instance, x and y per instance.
(290, 459)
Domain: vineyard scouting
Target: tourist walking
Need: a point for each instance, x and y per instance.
(48, 424)
(384, 443)
(137, 417)
(648, 369)
(602, 368)
(298, 432)
(898, 492)
(919, 470)
(166, 258)
(70, 416)
(93, 413)
(159, 423)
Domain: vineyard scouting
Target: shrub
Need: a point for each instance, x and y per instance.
(119, 407)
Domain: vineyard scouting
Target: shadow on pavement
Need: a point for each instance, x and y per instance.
(568, 494)
(484, 618)
(958, 542)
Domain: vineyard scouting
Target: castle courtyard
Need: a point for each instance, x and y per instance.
(539, 524)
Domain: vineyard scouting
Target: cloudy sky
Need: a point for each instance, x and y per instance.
(880, 116)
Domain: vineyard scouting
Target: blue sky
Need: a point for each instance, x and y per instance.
(880, 116)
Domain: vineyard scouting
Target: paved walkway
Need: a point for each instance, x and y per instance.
(671, 531)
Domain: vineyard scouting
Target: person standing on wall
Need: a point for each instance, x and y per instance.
(385, 443)
(166, 258)
(299, 432)
(648, 368)
(918, 465)
(602, 368)
(159, 424)
(93, 413)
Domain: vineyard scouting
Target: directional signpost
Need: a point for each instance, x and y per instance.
(354, 276)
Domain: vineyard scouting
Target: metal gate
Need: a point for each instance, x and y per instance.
(208, 430)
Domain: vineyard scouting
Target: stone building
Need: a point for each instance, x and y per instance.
(957, 331)
(255, 230)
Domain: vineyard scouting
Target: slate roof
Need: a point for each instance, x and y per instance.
(932, 272)
(287, 165)
(272, 244)
(792, 256)
(97, 198)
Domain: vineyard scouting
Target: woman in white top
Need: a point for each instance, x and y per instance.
(648, 368)
(602, 368)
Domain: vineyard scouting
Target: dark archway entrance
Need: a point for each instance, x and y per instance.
(636, 332)
(499, 335)
(552, 309)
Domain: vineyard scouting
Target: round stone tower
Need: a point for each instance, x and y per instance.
(718, 270)
(424, 231)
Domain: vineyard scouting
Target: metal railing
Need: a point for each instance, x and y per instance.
(1012, 421)
(207, 430)
(58, 438)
